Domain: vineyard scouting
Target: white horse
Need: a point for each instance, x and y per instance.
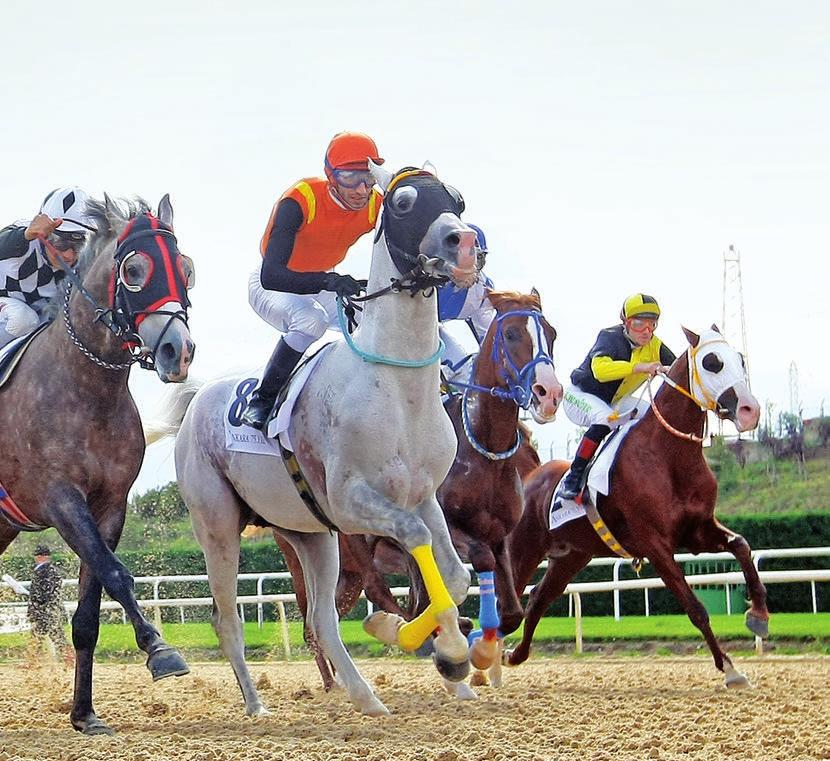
(371, 437)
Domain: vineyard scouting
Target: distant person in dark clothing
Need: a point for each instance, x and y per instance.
(46, 611)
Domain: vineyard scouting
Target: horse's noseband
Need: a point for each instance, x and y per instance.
(519, 380)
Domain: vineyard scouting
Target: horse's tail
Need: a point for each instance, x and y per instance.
(171, 410)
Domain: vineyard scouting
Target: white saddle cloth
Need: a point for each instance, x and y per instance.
(599, 479)
(242, 438)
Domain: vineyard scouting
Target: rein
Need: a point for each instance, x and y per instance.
(468, 431)
(379, 358)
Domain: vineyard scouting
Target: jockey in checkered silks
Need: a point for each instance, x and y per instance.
(29, 276)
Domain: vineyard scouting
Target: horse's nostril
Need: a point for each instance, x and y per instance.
(453, 239)
(540, 390)
(167, 351)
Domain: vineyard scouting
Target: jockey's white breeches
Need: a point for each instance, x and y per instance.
(16, 319)
(302, 317)
(586, 409)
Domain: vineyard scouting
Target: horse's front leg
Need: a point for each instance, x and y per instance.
(484, 643)
(672, 575)
(713, 537)
(69, 513)
(425, 536)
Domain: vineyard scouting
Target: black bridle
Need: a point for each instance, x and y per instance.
(120, 318)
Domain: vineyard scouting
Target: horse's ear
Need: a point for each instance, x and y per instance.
(715, 328)
(536, 295)
(692, 338)
(430, 167)
(166, 211)
(114, 214)
(382, 176)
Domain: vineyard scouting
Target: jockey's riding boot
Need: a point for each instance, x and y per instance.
(282, 362)
(574, 482)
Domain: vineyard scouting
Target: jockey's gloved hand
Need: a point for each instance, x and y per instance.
(344, 285)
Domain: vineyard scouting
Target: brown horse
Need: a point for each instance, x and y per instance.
(661, 498)
(73, 443)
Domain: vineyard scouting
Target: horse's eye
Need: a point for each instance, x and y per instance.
(713, 363)
(403, 199)
(511, 334)
(136, 270)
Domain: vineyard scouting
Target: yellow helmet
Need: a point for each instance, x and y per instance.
(640, 305)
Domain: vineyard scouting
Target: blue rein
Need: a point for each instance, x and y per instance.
(378, 358)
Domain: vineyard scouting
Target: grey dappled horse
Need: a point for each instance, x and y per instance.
(371, 436)
(73, 442)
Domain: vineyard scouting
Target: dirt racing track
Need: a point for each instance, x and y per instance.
(593, 708)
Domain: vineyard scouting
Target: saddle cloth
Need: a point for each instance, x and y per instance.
(242, 438)
(599, 478)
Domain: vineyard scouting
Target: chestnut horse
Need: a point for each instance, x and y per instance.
(73, 443)
(661, 498)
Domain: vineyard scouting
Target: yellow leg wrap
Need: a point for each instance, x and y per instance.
(412, 635)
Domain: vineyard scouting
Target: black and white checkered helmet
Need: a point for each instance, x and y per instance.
(69, 204)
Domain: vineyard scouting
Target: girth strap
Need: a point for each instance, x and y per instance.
(304, 489)
(604, 533)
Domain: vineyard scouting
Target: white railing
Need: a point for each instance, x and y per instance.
(573, 590)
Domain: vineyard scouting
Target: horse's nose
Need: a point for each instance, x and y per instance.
(748, 415)
(461, 243)
(548, 390)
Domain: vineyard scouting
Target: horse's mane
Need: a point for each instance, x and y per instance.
(109, 220)
(525, 300)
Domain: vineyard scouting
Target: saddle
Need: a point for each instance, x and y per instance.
(12, 352)
(598, 482)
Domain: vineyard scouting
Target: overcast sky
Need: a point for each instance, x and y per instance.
(605, 148)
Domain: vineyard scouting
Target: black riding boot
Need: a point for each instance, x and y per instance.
(282, 362)
(574, 482)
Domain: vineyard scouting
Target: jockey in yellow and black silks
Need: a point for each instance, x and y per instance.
(310, 231)
(622, 358)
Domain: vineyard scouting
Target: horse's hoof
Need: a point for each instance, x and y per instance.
(93, 726)
(166, 661)
(734, 679)
(258, 711)
(757, 625)
(373, 707)
(451, 671)
(479, 679)
(483, 653)
(460, 690)
(383, 626)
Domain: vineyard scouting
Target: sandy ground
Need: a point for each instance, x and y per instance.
(560, 708)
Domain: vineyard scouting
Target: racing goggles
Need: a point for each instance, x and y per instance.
(641, 323)
(352, 178)
(66, 239)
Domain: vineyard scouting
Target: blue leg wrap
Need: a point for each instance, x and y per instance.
(488, 616)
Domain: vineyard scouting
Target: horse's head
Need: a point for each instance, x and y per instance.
(717, 377)
(148, 281)
(520, 345)
(422, 227)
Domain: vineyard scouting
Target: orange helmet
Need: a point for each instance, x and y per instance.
(350, 150)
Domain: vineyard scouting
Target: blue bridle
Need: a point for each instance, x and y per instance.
(519, 380)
